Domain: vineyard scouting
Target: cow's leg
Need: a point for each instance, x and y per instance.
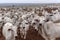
(52, 39)
(25, 35)
(46, 39)
(49, 38)
(8, 39)
(21, 35)
(44, 35)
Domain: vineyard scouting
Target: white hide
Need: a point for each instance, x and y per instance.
(14, 28)
(35, 22)
(28, 16)
(9, 34)
(55, 17)
(46, 14)
(51, 30)
(7, 19)
(8, 14)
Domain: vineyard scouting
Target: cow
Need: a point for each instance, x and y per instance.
(55, 17)
(24, 27)
(46, 14)
(50, 30)
(9, 31)
(35, 22)
(7, 19)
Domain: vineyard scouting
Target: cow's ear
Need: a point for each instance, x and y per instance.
(37, 20)
(54, 13)
(19, 23)
(34, 23)
(47, 20)
(23, 27)
(51, 15)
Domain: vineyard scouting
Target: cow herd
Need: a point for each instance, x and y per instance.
(40, 19)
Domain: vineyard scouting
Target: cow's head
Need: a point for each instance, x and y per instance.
(43, 20)
(24, 24)
(35, 22)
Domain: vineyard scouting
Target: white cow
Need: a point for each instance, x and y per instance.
(51, 30)
(47, 15)
(9, 31)
(8, 14)
(7, 19)
(24, 27)
(55, 16)
(28, 17)
(35, 22)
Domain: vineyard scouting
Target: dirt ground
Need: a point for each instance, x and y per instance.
(32, 35)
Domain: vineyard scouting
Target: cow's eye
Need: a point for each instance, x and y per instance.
(19, 23)
(51, 15)
(23, 27)
(54, 13)
(27, 18)
(2, 18)
(26, 23)
(40, 24)
(34, 23)
(37, 20)
(1, 22)
(9, 29)
(2, 14)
